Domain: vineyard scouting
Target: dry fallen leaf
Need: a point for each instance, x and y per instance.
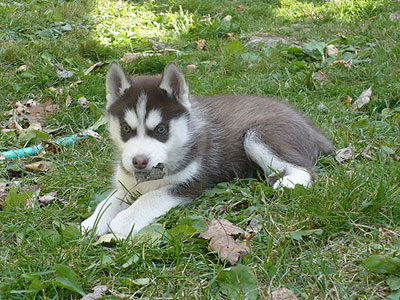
(83, 102)
(282, 294)
(200, 44)
(97, 293)
(109, 238)
(56, 90)
(331, 50)
(220, 232)
(39, 166)
(348, 100)
(363, 99)
(320, 76)
(91, 68)
(68, 101)
(22, 68)
(75, 83)
(191, 68)
(35, 125)
(130, 57)
(345, 154)
(47, 198)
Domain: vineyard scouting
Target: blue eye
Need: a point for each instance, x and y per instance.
(126, 128)
(160, 129)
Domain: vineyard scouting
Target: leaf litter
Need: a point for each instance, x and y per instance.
(220, 232)
(363, 99)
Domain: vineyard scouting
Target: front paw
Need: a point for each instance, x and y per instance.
(124, 224)
(99, 227)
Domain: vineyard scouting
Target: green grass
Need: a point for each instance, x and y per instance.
(356, 204)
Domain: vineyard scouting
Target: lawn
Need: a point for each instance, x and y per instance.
(339, 239)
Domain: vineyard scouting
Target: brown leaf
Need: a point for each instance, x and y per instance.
(345, 154)
(331, 50)
(240, 7)
(200, 44)
(96, 65)
(255, 225)
(220, 232)
(39, 166)
(97, 293)
(49, 108)
(348, 100)
(190, 68)
(83, 102)
(35, 125)
(50, 147)
(68, 101)
(363, 99)
(75, 83)
(56, 90)
(47, 198)
(13, 124)
(22, 68)
(282, 294)
(320, 76)
(130, 57)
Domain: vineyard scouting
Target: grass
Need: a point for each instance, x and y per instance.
(353, 210)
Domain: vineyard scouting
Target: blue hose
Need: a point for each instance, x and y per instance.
(35, 150)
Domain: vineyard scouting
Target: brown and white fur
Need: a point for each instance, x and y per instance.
(200, 141)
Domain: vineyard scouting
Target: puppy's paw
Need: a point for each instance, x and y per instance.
(100, 227)
(124, 224)
(290, 182)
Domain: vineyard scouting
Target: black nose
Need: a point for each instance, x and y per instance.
(140, 161)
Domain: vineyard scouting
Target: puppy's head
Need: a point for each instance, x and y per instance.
(148, 117)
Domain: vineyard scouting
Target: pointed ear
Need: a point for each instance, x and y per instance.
(174, 83)
(116, 83)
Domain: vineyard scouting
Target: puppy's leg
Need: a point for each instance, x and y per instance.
(288, 174)
(144, 211)
(105, 213)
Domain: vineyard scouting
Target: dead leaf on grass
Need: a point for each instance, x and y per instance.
(22, 68)
(363, 99)
(220, 232)
(83, 102)
(47, 198)
(320, 76)
(130, 57)
(282, 294)
(39, 166)
(97, 293)
(75, 83)
(35, 125)
(190, 68)
(346, 63)
(65, 74)
(345, 154)
(348, 101)
(332, 51)
(56, 90)
(91, 68)
(68, 101)
(200, 44)
(109, 238)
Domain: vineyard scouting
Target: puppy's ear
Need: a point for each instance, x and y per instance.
(116, 83)
(174, 83)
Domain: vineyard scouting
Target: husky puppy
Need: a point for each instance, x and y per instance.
(197, 142)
